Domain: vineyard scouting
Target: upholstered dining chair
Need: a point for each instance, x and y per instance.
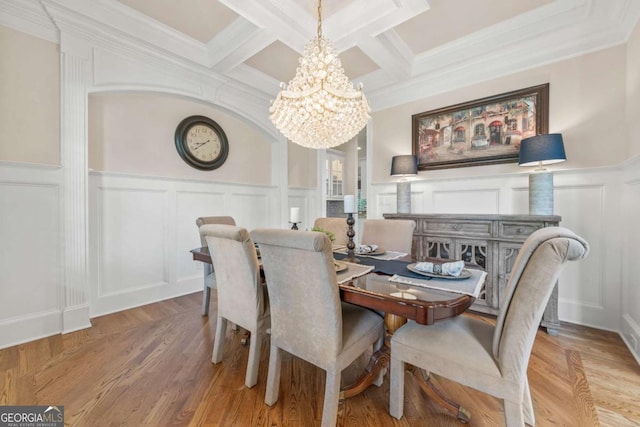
(492, 359)
(308, 320)
(338, 226)
(209, 275)
(391, 234)
(242, 298)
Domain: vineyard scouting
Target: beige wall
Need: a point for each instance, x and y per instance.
(303, 166)
(29, 99)
(633, 91)
(587, 105)
(134, 133)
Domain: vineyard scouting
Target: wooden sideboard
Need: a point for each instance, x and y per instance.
(491, 242)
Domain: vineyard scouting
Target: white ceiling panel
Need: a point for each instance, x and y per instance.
(198, 19)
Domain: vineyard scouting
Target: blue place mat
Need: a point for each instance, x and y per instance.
(386, 267)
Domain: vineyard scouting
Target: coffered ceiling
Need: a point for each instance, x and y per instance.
(401, 50)
(385, 43)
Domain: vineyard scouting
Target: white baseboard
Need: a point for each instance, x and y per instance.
(75, 318)
(630, 333)
(113, 303)
(19, 330)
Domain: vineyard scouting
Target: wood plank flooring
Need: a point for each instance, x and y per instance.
(151, 366)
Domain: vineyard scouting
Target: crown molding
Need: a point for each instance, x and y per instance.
(110, 16)
(29, 18)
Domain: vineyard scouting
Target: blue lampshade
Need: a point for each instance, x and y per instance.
(542, 149)
(404, 165)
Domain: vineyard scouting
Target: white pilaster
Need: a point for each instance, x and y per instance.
(74, 63)
(280, 178)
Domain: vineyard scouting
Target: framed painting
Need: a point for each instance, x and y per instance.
(481, 132)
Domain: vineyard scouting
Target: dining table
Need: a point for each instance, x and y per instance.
(387, 286)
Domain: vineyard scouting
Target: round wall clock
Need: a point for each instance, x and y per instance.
(201, 143)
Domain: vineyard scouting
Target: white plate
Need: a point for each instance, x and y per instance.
(464, 275)
(340, 266)
(378, 251)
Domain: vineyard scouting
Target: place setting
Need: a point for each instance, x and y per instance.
(378, 252)
(449, 276)
(347, 271)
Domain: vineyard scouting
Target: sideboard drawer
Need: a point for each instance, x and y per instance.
(471, 229)
(518, 230)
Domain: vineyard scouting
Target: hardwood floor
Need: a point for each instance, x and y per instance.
(152, 366)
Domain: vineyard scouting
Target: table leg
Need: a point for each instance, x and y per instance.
(434, 393)
(379, 361)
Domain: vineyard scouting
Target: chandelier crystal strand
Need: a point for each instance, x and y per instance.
(319, 108)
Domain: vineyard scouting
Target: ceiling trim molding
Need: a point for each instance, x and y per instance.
(29, 18)
(115, 18)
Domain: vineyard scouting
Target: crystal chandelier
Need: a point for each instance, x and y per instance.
(320, 108)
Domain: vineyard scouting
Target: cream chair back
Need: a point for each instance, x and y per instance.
(227, 220)
(338, 226)
(489, 358)
(209, 276)
(535, 272)
(390, 234)
(303, 292)
(242, 298)
(308, 318)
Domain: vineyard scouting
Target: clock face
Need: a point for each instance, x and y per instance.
(201, 143)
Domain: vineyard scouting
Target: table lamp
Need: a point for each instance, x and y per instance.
(404, 166)
(541, 150)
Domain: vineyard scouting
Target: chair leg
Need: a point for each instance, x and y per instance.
(396, 388)
(206, 298)
(218, 342)
(331, 397)
(251, 377)
(273, 377)
(513, 414)
(529, 416)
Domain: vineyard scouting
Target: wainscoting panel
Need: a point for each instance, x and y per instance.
(189, 206)
(31, 299)
(583, 285)
(142, 228)
(132, 239)
(466, 201)
(630, 324)
(253, 210)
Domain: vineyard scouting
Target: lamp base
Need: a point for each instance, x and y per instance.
(403, 194)
(541, 193)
